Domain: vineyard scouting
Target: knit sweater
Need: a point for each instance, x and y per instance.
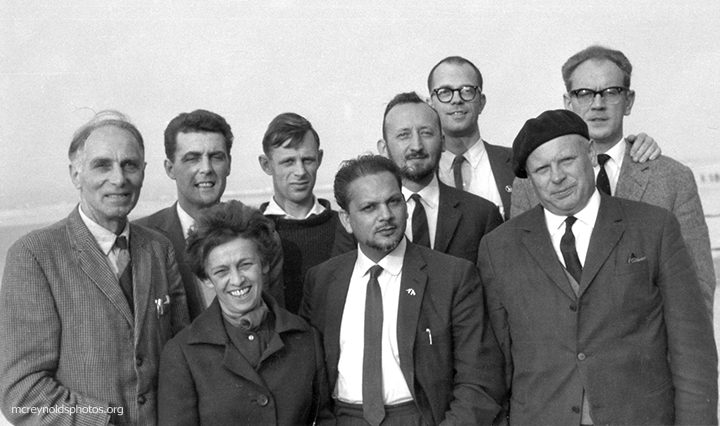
(306, 243)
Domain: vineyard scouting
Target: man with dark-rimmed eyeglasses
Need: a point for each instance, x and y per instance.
(469, 163)
(597, 80)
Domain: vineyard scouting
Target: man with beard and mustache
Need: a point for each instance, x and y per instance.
(412, 139)
(405, 331)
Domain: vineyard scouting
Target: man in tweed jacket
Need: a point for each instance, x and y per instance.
(82, 335)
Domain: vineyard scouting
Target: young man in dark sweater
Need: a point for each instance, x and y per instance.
(309, 229)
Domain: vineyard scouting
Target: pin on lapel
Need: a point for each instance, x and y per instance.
(410, 291)
(508, 189)
(160, 305)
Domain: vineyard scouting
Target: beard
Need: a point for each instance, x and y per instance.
(416, 174)
(387, 246)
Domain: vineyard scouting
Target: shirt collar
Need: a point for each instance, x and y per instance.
(430, 194)
(186, 221)
(104, 237)
(475, 153)
(588, 215)
(617, 152)
(274, 209)
(391, 263)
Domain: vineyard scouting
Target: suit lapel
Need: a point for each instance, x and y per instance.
(142, 274)
(94, 264)
(412, 291)
(335, 301)
(606, 234)
(633, 179)
(539, 245)
(448, 219)
(501, 166)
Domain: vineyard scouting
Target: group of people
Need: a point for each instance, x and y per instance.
(567, 280)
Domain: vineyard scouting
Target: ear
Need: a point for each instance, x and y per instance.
(74, 175)
(207, 283)
(265, 164)
(592, 152)
(442, 143)
(229, 164)
(320, 157)
(483, 101)
(630, 102)
(345, 220)
(169, 168)
(382, 148)
(568, 102)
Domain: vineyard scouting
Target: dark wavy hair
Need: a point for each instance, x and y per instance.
(286, 126)
(225, 222)
(197, 121)
(364, 165)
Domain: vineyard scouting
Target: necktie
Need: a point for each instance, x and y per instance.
(124, 265)
(420, 230)
(603, 182)
(568, 250)
(457, 171)
(372, 392)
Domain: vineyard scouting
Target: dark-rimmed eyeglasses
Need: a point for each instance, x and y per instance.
(611, 95)
(467, 93)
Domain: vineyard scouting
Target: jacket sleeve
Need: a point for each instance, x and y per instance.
(177, 397)
(691, 348)
(478, 381)
(321, 398)
(30, 332)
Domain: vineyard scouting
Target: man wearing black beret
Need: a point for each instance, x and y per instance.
(594, 299)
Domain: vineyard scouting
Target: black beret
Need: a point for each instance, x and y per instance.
(546, 127)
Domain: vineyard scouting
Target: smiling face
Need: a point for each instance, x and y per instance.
(561, 171)
(605, 122)
(109, 172)
(459, 118)
(413, 141)
(235, 271)
(200, 169)
(376, 214)
(294, 171)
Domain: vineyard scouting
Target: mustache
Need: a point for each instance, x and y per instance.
(414, 155)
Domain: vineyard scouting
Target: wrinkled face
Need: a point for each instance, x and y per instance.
(200, 169)
(605, 122)
(376, 214)
(414, 140)
(458, 117)
(235, 271)
(109, 172)
(561, 171)
(294, 170)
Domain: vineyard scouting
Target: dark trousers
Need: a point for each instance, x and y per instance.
(405, 414)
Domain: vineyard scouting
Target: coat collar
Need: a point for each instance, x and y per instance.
(633, 179)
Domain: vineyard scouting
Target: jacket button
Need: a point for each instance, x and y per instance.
(576, 409)
(141, 400)
(139, 362)
(573, 307)
(581, 356)
(262, 400)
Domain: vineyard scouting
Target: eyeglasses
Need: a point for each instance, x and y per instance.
(611, 95)
(467, 93)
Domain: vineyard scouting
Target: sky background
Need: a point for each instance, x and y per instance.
(336, 63)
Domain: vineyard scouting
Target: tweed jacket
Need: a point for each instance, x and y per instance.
(448, 353)
(167, 222)
(634, 336)
(664, 183)
(69, 337)
(205, 380)
(463, 219)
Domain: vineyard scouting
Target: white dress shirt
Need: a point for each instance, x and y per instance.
(352, 331)
(430, 199)
(273, 208)
(477, 174)
(582, 229)
(106, 239)
(614, 164)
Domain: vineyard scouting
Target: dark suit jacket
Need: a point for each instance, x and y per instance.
(68, 335)
(167, 222)
(205, 380)
(635, 338)
(463, 219)
(457, 378)
(500, 158)
(664, 183)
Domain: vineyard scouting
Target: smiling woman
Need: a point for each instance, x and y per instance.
(231, 364)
